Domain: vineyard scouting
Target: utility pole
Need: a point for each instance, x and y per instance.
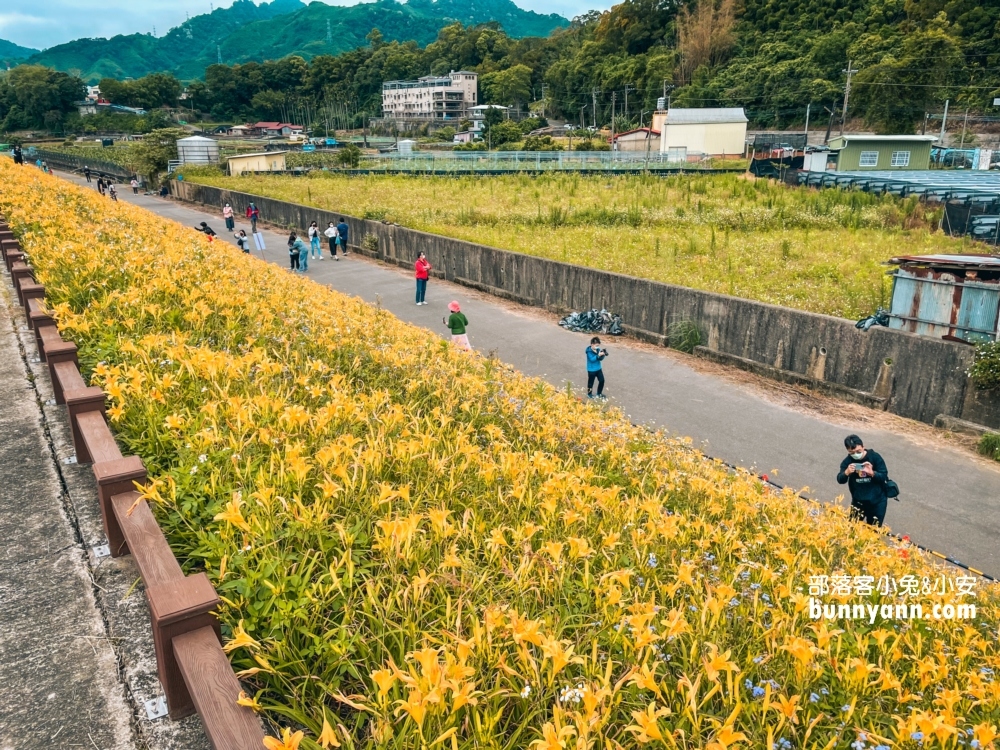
(583, 122)
(964, 123)
(944, 121)
(923, 131)
(545, 87)
(593, 94)
(627, 87)
(847, 95)
(807, 123)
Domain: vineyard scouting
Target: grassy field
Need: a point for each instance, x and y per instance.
(796, 247)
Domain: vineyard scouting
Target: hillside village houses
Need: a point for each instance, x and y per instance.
(447, 97)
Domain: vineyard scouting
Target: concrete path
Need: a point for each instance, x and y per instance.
(58, 671)
(950, 499)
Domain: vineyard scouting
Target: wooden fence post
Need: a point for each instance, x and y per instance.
(113, 478)
(179, 607)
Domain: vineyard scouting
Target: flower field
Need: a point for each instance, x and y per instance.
(419, 548)
(820, 251)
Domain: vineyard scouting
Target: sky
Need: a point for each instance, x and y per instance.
(45, 23)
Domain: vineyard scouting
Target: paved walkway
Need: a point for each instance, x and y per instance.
(58, 671)
(950, 500)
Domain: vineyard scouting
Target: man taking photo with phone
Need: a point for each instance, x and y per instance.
(865, 474)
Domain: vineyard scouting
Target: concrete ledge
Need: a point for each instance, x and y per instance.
(793, 378)
(495, 291)
(954, 424)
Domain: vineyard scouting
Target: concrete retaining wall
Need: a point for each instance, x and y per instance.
(909, 375)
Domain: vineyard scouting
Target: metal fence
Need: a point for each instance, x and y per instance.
(519, 161)
(72, 161)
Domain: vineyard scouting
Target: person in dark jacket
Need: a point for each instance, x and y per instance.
(86, 173)
(204, 227)
(865, 474)
(595, 354)
(342, 231)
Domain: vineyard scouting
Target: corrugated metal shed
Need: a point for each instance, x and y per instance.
(955, 297)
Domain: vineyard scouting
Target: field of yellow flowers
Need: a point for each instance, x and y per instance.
(419, 548)
(821, 251)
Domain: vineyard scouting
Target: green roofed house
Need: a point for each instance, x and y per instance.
(859, 152)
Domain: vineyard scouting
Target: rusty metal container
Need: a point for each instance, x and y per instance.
(954, 297)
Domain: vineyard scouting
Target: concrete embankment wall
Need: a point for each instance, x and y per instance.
(909, 375)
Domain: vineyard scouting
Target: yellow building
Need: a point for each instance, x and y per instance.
(686, 133)
(267, 161)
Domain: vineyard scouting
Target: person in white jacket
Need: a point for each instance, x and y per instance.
(315, 245)
(331, 234)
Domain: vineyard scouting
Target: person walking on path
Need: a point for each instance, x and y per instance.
(86, 172)
(315, 245)
(334, 237)
(227, 214)
(253, 213)
(296, 251)
(19, 157)
(864, 472)
(100, 185)
(422, 271)
(113, 193)
(595, 354)
(135, 186)
(457, 323)
(342, 233)
(242, 241)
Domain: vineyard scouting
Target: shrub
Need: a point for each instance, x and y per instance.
(541, 143)
(684, 336)
(989, 445)
(370, 242)
(985, 370)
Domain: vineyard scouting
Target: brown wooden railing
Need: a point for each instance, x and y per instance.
(194, 672)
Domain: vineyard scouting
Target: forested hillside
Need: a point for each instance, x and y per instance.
(11, 54)
(248, 32)
(773, 57)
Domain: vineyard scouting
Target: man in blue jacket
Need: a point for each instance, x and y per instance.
(865, 474)
(594, 370)
(342, 230)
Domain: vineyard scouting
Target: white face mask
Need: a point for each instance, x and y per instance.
(858, 455)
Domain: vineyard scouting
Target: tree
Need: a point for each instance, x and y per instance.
(504, 132)
(154, 152)
(30, 94)
(512, 85)
(349, 157)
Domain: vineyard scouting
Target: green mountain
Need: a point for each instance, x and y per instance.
(11, 53)
(246, 31)
(135, 55)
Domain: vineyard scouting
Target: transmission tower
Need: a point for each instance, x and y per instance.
(329, 33)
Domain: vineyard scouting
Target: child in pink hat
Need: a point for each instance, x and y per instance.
(457, 323)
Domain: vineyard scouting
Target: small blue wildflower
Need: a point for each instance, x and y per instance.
(784, 744)
(734, 602)
(845, 709)
(758, 692)
(824, 691)
(754, 586)
(858, 745)
(813, 698)
(918, 736)
(651, 562)
(765, 597)
(974, 744)
(758, 659)
(882, 747)
(748, 684)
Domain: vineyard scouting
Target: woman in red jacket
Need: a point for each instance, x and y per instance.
(423, 269)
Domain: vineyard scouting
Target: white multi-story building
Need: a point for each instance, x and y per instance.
(431, 97)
